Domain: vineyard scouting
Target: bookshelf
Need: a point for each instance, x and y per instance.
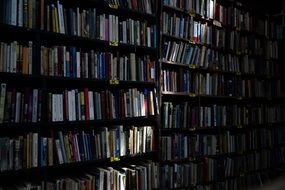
(222, 97)
(79, 106)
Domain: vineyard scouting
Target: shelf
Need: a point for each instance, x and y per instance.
(106, 83)
(255, 171)
(52, 38)
(68, 125)
(16, 29)
(112, 8)
(193, 14)
(203, 130)
(197, 69)
(51, 87)
(196, 159)
(19, 128)
(182, 11)
(37, 80)
(243, 54)
(242, 153)
(237, 53)
(75, 165)
(209, 98)
(18, 77)
(177, 93)
(218, 129)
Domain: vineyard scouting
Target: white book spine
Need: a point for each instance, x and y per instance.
(110, 23)
(59, 152)
(78, 21)
(73, 105)
(35, 150)
(18, 103)
(60, 96)
(2, 101)
(35, 105)
(30, 57)
(54, 107)
(64, 60)
(78, 64)
(117, 29)
(8, 60)
(69, 107)
(13, 12)
(20, 13)
(91, 105)
(13, 67)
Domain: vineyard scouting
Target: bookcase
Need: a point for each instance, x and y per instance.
(78, 98)
(222, 99)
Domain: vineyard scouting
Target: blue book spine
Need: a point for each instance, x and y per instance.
(62, 146)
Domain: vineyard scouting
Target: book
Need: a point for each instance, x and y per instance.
(2, 101)
(35, 103)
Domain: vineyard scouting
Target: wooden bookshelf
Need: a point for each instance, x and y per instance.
(213, 55)
(85, 59)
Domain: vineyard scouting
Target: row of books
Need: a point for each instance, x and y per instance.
(233, 166)
(92, 24)
(178, 81)
(203, 33)
(144, 6)
(253, 47)
(279, 156)
(177, 25)
(34, 150)
(203, 84)
(32, 13)
(205, 57)
(143, 175)
(236, 17)
(244, 44)
(80, 105)
(105, 143)
(181, 146)
(276, 31)
(187, 53)
(232, 15)
(78, 63)
(221, 85)
(16, 57)
(25, 105)
(257, 88)
(55, 17)
(19, 152)
(189, 174)
(278, 132)
(243, 142)
(188, 28)
(215, 84)
(19, 12)
(272, 50)
(20, 105)
(246, 181)
(205, 8)
(185, 115)
(217, 170)
(209, 9)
